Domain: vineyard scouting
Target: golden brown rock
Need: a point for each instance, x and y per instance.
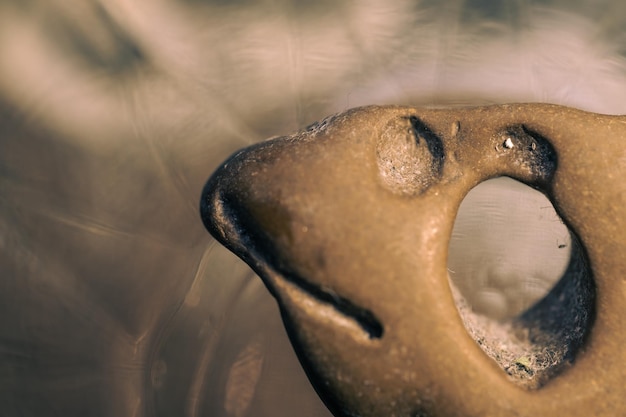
(348, 224)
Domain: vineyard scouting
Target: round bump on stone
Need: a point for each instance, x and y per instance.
(410, 156)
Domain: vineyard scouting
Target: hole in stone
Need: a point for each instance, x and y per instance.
(521, 281)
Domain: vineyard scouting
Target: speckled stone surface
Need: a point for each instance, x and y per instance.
(348, 223)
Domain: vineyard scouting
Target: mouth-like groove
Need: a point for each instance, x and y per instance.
(233, 225)
(363, 317)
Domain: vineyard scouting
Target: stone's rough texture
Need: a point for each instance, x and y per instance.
(348, 224)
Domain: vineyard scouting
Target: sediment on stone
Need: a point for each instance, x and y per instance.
(528, 364)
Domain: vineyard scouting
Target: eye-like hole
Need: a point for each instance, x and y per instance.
(410, 156)
(508, 248)
(520, 279)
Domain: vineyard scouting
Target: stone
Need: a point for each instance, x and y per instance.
(348, 222)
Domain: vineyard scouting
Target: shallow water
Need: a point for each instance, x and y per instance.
(113, 298)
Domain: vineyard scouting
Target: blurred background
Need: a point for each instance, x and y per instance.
(114, 301)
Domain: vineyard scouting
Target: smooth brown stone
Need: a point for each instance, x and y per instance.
(348, 224)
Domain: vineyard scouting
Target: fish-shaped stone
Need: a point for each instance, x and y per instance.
(348, 224)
